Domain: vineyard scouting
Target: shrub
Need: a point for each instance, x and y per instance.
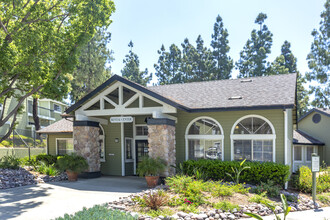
(163, 212)
(25, 161)
(220, 189)
(189, 208)
(305, 180)
(150, 167)
(49, 170)
(48, 159)
(9, 162)
(98, 212)
(258, 172)
(178, 183)
(261, 198)
(225, 206)
(237, 172)
(324, 198)
(72, 163)
(269, 187)
(154, 200)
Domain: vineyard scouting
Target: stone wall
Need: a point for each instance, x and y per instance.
(161, 139)
(86, 144)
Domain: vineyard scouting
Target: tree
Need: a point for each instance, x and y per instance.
(252, 60)
(319, 61)
(93, 67)
(40, 44)
(220, 48)
(187, 61)
(131, 69)
(287, 63)
(168, 66)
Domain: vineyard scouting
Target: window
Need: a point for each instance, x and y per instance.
(64, 146)
(253, 138)
(101, 144)
(141, 130)
(298, 153)
(204, 138)
(30, 107)
(57, 108)
(309, 151)
(128, 149)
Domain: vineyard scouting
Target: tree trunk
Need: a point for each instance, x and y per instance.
(35, 114)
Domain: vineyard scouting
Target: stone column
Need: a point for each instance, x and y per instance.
(161, 140)
(86, 144)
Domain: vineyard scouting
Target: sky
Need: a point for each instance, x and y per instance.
(151, 23)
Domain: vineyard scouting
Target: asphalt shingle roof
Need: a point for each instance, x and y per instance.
(276, 90)
(61, 126)
(300, 137)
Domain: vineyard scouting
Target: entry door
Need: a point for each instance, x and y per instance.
(141, 150)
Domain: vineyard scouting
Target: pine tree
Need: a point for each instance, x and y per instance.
(131, 69)
(169, 65)
(220, 48)
(187, 62)
(93, 68)
(319, 61)
(252, 60)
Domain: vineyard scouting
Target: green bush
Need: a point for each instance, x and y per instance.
(49, 170)
(48, 159)
(25, 161)
(271, 189)
(219, 189)
(305, 180)
(261, 198)
(150, 167)
(225, 206)
(98, 212)
(72, 163)
(9, 162)
(258, 172)
(324, 198)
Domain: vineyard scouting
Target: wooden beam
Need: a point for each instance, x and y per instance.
(131, 100)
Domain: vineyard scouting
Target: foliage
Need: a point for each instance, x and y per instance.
(47, 169)
(258, 172)
(92, 70)
(269, 187)
(40, 42)
(131, 69)
(155, 213)
(319, 61)
(199, 175)
(9, 162)
(220, 48)
(225, 206)
(324, 198)
(237, 171)
(305, 180)
(188, 208)
(98, 212)
(25, 161)
(179, 183)
(260, 198)
(72, 162)
(220, 189)
(252, 60)
(286, 209)
(150, 167)
(47, 158)
(154, 200)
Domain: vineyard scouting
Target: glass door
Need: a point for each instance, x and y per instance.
(141, 150)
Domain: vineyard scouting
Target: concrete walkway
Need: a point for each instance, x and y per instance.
(50, 200)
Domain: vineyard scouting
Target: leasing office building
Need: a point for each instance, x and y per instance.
(121, 121)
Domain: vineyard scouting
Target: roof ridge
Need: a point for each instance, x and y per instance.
(218, 80)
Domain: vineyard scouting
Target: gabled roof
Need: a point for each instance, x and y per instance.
(324, 111)
(268, 92)
(301, 138)
(61, 126)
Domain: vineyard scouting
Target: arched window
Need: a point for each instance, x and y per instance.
(101, 144)
(253, 138)
(204, 139)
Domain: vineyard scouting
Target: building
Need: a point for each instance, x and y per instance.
(313, 135)
(121, 121)
(49, 111)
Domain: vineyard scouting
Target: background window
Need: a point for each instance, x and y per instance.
(128, 149)
(242, 150)
(101, 144)
(64, 146)
(142, 130)
(57, 108)
(309, 151)
(298, 153)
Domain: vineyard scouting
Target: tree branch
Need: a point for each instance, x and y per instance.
(10, 128)
(10, 85)
(3, 108)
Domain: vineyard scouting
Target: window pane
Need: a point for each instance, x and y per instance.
(196, 151)
(142, 130)
(253, 126)
(57, 108)
(207, 149)
(309, 151)
(101, 145)
(204, 127)
(297, 153)
(128, 146)
(242, 149)
(213, 150)
(262, 150)
(65, 146)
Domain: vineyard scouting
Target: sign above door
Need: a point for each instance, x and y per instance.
(126, 119)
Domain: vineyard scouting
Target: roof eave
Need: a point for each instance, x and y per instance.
(242, 108)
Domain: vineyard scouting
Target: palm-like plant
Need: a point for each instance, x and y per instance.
(237, 172)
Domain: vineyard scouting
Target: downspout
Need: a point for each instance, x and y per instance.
(285, 140)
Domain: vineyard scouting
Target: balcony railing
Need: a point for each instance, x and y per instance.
(42, 112)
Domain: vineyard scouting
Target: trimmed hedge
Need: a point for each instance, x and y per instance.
(47, 158)
(258, 172)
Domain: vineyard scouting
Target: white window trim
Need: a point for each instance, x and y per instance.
(103, 159)
(62, 139)
(204, 137)
(140, 137)
(252, 136)
(129, 160)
